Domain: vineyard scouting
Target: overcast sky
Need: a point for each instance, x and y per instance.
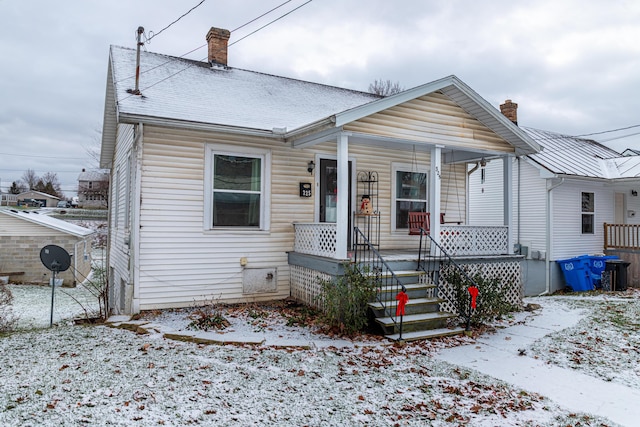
(573, 66)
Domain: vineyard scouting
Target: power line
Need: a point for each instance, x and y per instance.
(44, 157)
(608, 131)
(203, 45)
(230, 44)
(152, 35)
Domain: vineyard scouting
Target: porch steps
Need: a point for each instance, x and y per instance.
(415, 322)
(423, 318)
(425, 335)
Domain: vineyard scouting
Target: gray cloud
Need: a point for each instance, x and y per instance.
(572, 66)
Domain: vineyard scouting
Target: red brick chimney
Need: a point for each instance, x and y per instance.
(510, 110)
(218, 39)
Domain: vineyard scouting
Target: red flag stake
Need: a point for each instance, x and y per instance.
(402, 299)
(473, 291)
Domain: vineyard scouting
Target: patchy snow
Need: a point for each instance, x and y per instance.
(100, 375)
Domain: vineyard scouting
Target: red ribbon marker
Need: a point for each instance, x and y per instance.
(474, 294)
(402, 299)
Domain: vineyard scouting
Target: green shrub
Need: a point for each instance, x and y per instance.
(345, 300)
(491, 303)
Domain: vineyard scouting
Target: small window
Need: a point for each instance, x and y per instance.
(588, 210)
(237, 189)
(410, 194)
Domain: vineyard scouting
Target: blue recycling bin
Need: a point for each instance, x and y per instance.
(576, 273)
(596, 265)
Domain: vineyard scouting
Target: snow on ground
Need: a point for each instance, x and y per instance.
(99, 375)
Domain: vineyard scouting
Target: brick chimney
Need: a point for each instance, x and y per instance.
(217, 38)
(510, 110)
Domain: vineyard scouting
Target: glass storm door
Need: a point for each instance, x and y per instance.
(329, 193)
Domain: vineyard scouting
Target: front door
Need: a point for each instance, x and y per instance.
(329, 192)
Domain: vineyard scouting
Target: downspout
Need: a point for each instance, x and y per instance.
(548, 238)
(134, 212)
(518, 203)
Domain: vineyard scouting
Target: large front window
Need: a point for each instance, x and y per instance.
(237, 189)
(410, 194)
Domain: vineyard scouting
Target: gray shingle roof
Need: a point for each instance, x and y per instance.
(183, 90)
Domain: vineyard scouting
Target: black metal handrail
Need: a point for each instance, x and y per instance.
(431, 262)
(368, 261)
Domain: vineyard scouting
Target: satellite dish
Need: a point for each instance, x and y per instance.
(55, 258)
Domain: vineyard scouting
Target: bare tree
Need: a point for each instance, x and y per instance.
(385, 87)
(48, 184)
(17, 187)
(30, 179)
(93, 150)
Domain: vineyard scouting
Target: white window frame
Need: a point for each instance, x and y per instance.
(265, 184)
(591, 213)
(404, 167)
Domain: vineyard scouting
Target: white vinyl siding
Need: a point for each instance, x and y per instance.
(486, 198)
(567, 237)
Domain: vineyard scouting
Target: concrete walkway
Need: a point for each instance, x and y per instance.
(498, 355)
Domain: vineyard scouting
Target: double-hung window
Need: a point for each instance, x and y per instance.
(237, 189)
(588, 210)
(409, 193)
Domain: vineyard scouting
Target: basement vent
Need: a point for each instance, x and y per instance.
(259, 280)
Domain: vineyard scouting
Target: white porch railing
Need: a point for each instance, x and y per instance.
(459, 240)
(318, 238)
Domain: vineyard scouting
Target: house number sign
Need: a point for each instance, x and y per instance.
(305, 189)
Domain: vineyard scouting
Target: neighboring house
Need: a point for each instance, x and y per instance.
(231, 185)
(8, 199)
(33, 198)
(93, 189)
(23, 234)
(562, 197)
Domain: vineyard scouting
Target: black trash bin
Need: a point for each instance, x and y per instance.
(617, 268)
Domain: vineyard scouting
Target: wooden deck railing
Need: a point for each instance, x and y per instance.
(621, 236)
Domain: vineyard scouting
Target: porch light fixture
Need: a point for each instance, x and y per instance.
(634, 193)
(311, 166)
(483, 162)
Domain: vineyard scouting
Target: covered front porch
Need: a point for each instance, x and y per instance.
(376, 165)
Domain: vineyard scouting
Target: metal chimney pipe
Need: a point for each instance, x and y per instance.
(140, 31)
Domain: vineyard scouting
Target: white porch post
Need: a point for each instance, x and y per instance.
(434, 191)
(507, 169)
(342, 218)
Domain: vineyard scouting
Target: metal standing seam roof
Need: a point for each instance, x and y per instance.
(49, 222)
(570, 155)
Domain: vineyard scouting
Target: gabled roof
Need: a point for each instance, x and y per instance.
(48, 221)
(573, 156)
(193, 94)
(49, 196)
(93, 176)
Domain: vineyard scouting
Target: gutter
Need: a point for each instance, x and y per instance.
(136, 119)
(547, 261)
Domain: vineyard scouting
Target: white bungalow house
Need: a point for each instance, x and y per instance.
(236, 186)
(574, 197)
